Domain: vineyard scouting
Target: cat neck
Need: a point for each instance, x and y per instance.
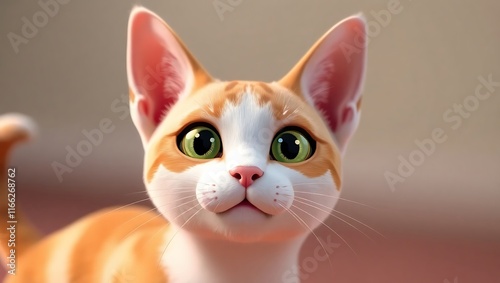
(191, 258)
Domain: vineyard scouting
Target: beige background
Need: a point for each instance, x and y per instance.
(423, 61)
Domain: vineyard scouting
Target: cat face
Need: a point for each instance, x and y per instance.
(246, 183)
(243, 161)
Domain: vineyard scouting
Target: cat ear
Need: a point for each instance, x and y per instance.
(330, 76)
(160, 70)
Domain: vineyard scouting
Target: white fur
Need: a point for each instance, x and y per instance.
(189, 259)
(20, 121)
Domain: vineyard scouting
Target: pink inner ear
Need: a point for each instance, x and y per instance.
(158, 73)
(336, 88)
(334, 74)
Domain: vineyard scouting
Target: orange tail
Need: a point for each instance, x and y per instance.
(16, 234)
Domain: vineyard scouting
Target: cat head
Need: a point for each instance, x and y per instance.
(244, 160)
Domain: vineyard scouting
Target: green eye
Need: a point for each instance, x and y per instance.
(201, 142)
(291, 146)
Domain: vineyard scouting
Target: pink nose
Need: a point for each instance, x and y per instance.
(246, 174)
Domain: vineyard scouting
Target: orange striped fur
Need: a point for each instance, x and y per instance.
(113, 245)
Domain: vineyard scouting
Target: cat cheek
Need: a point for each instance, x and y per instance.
(208, 196)
(217, 194)
(273, 199)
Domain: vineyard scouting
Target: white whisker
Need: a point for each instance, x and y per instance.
(127, 205)
(343, 199)
(354, 227)
(321, 222)
(345, 215)
(180, 228)
(159, 214)
(297, 217)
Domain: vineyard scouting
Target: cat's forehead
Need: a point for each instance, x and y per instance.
(220, 101)
(220, 97)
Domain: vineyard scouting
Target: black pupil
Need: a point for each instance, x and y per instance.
(202, 143)
(288, 146)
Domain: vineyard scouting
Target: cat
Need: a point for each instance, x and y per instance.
(240, 172)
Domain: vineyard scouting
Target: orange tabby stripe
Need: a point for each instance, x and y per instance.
(91, 251)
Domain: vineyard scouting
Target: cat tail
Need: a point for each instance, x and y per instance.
(16, 233)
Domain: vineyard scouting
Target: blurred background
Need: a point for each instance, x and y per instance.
(431, 65)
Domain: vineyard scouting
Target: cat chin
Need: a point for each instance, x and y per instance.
(247, 236)
(246, 224)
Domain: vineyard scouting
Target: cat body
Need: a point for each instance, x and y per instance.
(240, 172)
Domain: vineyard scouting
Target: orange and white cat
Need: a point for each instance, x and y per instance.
(231, 167)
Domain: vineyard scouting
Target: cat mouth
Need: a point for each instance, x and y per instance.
(246, 204)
